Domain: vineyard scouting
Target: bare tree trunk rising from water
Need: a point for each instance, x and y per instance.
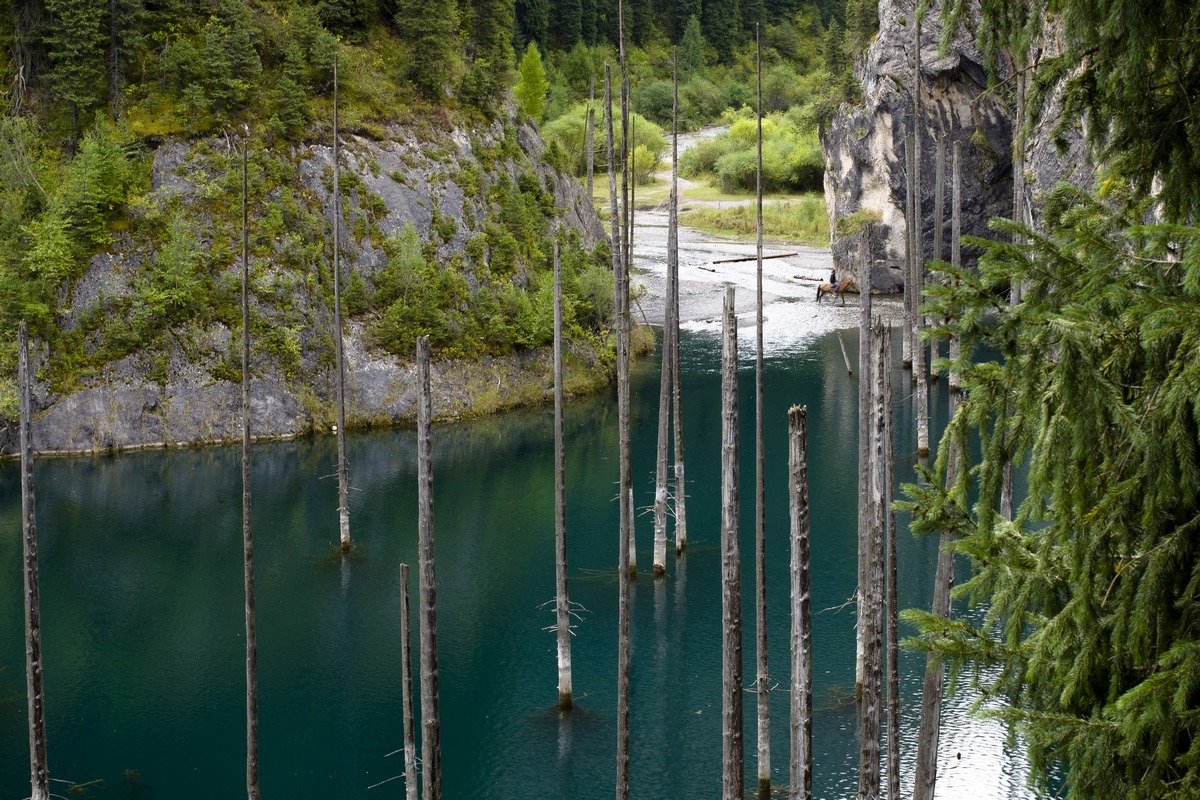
(39, 772)
(733, 770)
(800, 785)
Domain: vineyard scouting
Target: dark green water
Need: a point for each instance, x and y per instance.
(142, 608)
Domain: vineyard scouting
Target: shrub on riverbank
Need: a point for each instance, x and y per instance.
(792, 159)
(803, 221)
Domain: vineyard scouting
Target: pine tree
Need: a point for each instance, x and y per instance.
(1092, 624)
(530, 91)
(491, 64)
(685, 10)
(640, 19)
(691, 47)
(782, 9)
(431, 28)
(231, 62)
(347, 18)
(862, 20)
(76, 37)
(589, 29)
(566, 24)
(124, 17)
(533, 21)
(836, 61)
(832, 10)
(722, 23)
(753, 12)
(291, 109)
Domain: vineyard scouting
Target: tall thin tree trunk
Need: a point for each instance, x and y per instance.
(762, 679)
(628, 180)
(339, 350)
(562, 604)
(252, 788)
(616, 219)
(431, 748)
(893, 610)
(864, 453)
(39, 772)
(929, 731)
(921, 397)
(910, 246)
(406, 699)
(939, 222)
(955, 252)
(673, 272)
(591, 137)
(664, 431)
(870, 708)
(801, 695)
(917, 263)
(733, 770)
(1019, 217)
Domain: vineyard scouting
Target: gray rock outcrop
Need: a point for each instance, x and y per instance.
(865, 144)
(184, 387)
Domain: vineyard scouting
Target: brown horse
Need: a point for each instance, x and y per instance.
(848, 285)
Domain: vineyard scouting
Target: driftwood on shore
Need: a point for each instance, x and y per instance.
(755, 257)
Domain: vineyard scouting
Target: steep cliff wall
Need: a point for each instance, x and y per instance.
(865, 143)
(475, 199)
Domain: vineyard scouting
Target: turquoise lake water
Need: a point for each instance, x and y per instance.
(142, 607)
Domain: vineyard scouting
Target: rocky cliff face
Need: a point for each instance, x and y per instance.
(865, 144)
(1054, 153)
(183, 387)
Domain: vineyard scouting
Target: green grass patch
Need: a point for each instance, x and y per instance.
(803, 221)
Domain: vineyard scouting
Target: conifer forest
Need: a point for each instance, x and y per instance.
(635, 398)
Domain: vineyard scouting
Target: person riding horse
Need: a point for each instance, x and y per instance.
(836, 288)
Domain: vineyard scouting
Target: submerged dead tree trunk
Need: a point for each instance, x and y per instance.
(673, 277)
(893, 610)
(562, 608)
(431, 747)
(929, 730)
(871, 706)
(406, 700)
(762, 679)
(921, 395)
(39, 772)
(864, 453)
(664, 439)
(910, 247)
(939, 222)
(800, 787)
(733, 770)
(252, 787)
(624, 329)
(615, 218)
(339, 350)
(955, 259)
